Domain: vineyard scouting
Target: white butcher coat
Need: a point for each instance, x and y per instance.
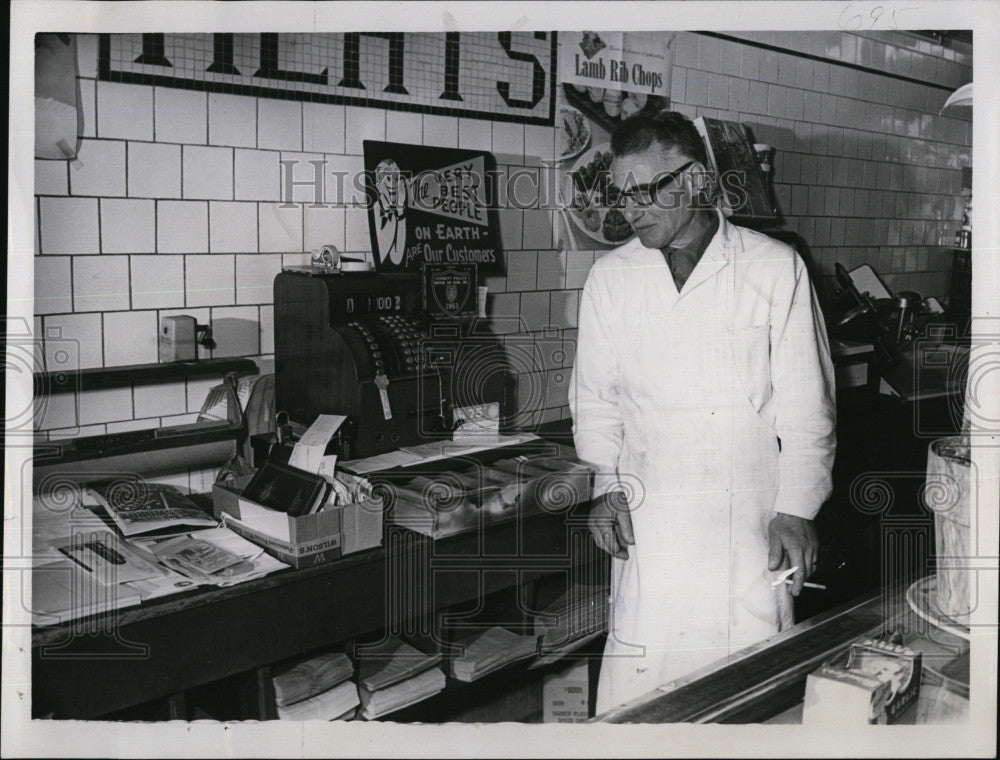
(682, 399)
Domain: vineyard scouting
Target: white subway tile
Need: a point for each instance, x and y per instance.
(475, 134)
(157, 281)
(232, 120)
(344, 181)
(522, 270)
(160, 399)
(537, 229)
(255, 275)
(363, 124)
(303, 178)
(130, 337)
(535, 310)
(182, 226)
(232, 227)
(128, 225)
(208, 173)
(73, 341)
(258, 175)
(86, 55)
(322, 128)
(124, 111)
(181, 115)
(88, 106)
(209, 280)
(539, 142)
(404, 127)
(441, 131)
(100, 283)
(324, 226)
(154, 171)
(53, 285)
(101, 168)
(279, 124)
(56, 411)
(280, 229)
(267, 329)
(508, 141)
(109, 405)
(68, 225)
(51, 177)
(358, 237)
(236, 331)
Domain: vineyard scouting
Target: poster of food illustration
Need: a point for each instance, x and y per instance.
(430, 205)
(605, 77)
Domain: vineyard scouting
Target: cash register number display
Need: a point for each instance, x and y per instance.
(360, 345)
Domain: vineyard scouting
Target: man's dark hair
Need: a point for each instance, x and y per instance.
(667, 128)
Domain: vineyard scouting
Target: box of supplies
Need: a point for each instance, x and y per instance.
(876, 685)
(565, 694)
(302, 541)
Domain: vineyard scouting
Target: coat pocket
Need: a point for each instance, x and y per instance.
(752, 356)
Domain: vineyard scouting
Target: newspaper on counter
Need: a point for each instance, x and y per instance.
(138, 507)
(181, 553)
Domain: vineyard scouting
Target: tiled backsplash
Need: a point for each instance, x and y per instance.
(173, 207)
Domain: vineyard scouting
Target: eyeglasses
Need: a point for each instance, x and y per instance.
(645, 195)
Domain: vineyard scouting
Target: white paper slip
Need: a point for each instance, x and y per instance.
(310, 448)
(381, 462)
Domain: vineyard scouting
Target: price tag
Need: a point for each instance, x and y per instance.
(383, 385)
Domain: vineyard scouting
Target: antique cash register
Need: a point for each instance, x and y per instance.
(363, 345)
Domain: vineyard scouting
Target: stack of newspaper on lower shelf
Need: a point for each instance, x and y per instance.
(393, 675)
(580, 613)
(490, 650)
(317, 689)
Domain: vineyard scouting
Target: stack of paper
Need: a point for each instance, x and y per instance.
(490, 650)
(375, 704)
(580, 612)
(393, 675)
(338, 703)
(310, 678)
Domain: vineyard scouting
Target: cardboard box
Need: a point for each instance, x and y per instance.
(299, 541)
(565, 695)
(878, 683)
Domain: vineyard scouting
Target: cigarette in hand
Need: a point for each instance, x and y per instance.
(807, 584)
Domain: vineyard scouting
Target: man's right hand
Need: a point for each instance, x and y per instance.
(611, 524)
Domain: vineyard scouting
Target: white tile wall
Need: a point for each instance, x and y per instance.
(209, 280)
(88, 107)
(126, 111)
(51, 177)
(404, 127)
(128, 225)
(53, 284)
(322, 226)
(258, 175)
(130, 337)
(58, 411)
(323, 128)
(279, 124)
(255, 275)
(161, 399)
(72, 342)
(363, 124)
(100, 283)
(280, 229)
(475, 134)
(441, 131)
(68, 225)
(101, 168)
(154, 170)
(236, 331)
(208, 173)
(181, 116)
(232, 227)
(232, 120)
(108, 405)
(181, 226)
(157, 281)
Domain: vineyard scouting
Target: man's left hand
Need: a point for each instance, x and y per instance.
(792, 542)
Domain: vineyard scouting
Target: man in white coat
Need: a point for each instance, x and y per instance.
(703, 392)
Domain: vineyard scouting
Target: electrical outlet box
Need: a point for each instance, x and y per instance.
(176, 339)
